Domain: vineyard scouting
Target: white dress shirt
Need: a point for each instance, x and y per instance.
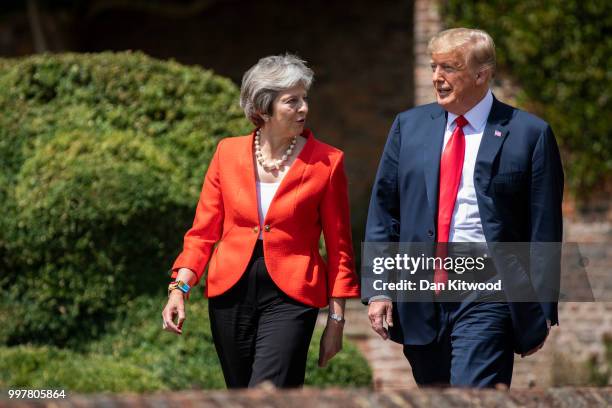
(466, 225)
(265, 194)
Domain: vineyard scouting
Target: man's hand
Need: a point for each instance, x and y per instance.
(532, 351)
(378, 312)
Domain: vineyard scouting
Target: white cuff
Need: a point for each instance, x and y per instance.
(378, 297)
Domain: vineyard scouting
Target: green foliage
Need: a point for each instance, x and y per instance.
(560, 54)
(135, 355)
(600, 372)
(186, 361)
(102, 162)
(47, 367)
(347, 369)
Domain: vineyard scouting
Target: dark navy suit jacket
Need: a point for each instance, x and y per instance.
(518, 179)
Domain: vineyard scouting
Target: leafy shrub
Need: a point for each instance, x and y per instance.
(103, 157)
(560, 54)
(136, 355)
(83, 223)
(347, 369)
(47, 367)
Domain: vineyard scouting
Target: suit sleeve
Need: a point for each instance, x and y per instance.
(207, 225)
(546, 222)
(342, 280)
(383, 214)
(383, 223)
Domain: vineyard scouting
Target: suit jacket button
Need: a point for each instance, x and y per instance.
(255, 229)
(430, 233)
(267, 228)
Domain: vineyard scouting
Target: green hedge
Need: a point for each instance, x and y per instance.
(136, 355)
(103, 157)
(560, 53)
(47, 367)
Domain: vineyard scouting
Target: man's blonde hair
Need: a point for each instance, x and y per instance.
(477, 46)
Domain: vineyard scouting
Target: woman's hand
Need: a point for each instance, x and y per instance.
(331, 341)
(176, 303)
(174, 307)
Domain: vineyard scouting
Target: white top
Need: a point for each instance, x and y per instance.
(466, 225)
(265, 194)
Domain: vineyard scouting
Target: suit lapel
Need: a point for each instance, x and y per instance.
(432, 150)
(492, 139)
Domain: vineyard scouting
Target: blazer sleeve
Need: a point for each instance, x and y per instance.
(207, 225)
(335, 219)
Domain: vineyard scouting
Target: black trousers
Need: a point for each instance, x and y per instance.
(259, 332)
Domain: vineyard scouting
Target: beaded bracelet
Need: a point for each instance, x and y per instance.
(180, 285)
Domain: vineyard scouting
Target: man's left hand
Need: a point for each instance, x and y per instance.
(532, 351)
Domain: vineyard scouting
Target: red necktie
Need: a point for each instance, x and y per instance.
(451, 166)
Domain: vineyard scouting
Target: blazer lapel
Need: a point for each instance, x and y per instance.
(492, 139)
(433, 135)
(284, 199)
(248, 198)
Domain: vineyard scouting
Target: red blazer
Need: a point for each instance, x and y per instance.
(311, 197)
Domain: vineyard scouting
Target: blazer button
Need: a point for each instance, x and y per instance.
(267, 228)
(430, 233)
(255, 230)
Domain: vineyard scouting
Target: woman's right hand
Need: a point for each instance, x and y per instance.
(174, 307)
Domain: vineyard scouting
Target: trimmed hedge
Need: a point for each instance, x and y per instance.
(47, 367)
(137, 356)
(560, 53)
(103, 158)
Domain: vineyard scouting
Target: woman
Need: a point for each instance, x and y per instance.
(266, 197)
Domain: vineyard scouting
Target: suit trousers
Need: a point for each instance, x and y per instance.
(473, 348)
(261, 334)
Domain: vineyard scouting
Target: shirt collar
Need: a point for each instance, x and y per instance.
(477, 116)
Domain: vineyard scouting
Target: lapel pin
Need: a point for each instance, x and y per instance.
(498, 133)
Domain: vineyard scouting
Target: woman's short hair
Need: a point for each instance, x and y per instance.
(478, 46)
(264, 80)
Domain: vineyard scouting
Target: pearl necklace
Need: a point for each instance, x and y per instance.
(276, 164)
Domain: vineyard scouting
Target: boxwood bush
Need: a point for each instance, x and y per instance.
(136, 355)
(102, 162)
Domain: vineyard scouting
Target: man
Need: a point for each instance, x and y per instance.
(466, 169)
